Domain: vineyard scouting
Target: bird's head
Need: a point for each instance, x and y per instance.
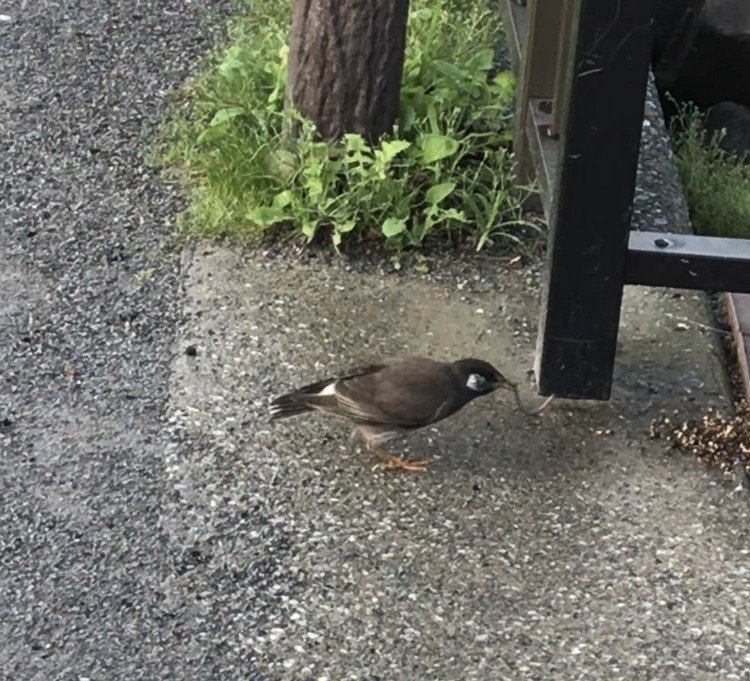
(481, 377)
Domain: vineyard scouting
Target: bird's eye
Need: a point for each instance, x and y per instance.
(477, 383)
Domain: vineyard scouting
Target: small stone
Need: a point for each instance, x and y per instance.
(191, 351)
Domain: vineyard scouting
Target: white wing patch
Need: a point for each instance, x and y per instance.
(330, 389)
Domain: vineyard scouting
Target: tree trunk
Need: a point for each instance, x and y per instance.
(346, 58)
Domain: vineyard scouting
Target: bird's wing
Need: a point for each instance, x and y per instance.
(355, 372)
(408, 393)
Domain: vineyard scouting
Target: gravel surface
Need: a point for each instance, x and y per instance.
(90, 298)
(152, 525)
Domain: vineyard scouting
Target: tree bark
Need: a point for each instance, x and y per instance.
(346, 59)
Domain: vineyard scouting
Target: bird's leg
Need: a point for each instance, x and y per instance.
(352, 443)
(374, 439)
(393, 463)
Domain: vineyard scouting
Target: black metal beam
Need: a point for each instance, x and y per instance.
(685, 261)
(590, 216)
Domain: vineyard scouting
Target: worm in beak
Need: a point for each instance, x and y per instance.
(503, 382)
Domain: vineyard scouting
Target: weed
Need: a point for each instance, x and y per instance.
(444, 170)
(716, 183)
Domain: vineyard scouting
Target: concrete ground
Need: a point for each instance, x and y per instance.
(563, 546)
(154, 526)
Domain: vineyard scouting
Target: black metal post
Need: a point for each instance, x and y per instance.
(590, 216)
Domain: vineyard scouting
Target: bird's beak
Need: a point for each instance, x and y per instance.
(502, 383)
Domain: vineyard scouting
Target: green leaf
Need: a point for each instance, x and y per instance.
(282, 164)
(393, 227)
(393, 148)
(483, 59)
(282, 199)
(432, 116)
(266, 215)
(212, 134)
(355, 142)
(407, 117)
(235, 58)
(224, 115)
(319, 150)
(447, 69)
(453, 214)
(436, 147)
(283, 55)
(309, 229)
(214, 130)
(279, 71)
(505, 83)
(345, 227)
(438, 192)
(314, 187)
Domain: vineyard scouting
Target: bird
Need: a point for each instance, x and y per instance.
(388, 399)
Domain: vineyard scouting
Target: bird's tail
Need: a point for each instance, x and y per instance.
(299, 401)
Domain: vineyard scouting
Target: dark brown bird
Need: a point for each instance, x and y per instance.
(385, 400)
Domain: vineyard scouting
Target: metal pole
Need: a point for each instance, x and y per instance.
(590, 216)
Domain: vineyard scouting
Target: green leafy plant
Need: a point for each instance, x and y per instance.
(716, 183)
(444, 170)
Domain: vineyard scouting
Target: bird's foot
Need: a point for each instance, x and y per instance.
(394, 463)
